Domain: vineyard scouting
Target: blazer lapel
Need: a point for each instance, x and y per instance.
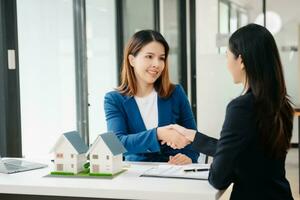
(134, 116)
(164, 111)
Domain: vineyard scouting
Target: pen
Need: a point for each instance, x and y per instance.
(196, 170)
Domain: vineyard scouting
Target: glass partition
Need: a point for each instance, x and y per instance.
(102, 66)
(214, 18)
(170, 28)
(137, 15)
(47, 74)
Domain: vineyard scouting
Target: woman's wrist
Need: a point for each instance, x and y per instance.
(191, 135)
(158, 133)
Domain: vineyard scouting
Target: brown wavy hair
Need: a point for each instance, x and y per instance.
(128, 85)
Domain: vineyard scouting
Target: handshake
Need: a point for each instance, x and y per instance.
(175, 136)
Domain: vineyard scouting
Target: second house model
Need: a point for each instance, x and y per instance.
(106, 155)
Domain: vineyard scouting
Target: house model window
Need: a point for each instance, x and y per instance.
(107, 157)
(59, 155)
(95, 156)
(72, 155)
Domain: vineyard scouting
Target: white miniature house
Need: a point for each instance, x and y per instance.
(106, 154)
(69, 153)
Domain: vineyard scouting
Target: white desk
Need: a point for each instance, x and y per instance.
(125, 186)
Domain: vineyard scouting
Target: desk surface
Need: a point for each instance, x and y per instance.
(125, 186)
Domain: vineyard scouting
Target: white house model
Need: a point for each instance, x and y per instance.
(106, 154)
(69, 152)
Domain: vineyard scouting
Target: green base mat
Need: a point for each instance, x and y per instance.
(87, 175)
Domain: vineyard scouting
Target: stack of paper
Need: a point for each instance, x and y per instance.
(191, 171)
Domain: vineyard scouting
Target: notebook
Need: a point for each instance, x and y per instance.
(9, 165)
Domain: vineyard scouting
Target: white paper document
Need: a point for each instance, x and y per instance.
(192, 171)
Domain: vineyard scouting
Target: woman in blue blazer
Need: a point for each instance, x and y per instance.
(257, 130)
(146, 102)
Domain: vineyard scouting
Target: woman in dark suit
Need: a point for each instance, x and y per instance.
(257, 130)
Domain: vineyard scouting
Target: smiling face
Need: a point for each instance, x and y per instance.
(236, 67)
(149, 63)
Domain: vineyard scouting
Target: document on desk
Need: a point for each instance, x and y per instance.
(192, 171)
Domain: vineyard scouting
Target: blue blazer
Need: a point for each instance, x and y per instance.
(124, 119)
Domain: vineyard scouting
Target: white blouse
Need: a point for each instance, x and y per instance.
(148, 109)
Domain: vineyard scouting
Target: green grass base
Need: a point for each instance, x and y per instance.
(63, 173)
(86, 173)
(100, 174)
(104, 174)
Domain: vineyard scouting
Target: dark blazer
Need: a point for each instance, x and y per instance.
(124, 119)
(239, 159)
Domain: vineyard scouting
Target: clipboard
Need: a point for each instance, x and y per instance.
(176, 171)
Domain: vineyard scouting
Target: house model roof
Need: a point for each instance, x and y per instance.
(112, 142)
(75, 140)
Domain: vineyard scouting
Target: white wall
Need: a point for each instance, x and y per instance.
(47, 74)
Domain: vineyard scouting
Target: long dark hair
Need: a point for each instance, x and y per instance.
(264, 74)
(128, 85)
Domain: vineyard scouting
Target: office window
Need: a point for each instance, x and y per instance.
(170, 29)
(137, 15)
(102, 66)
(243, 19)
(233, 18)
(224, 17)
(59, 155)
(47, 73)
(224, 26)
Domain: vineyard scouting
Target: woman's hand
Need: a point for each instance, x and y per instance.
(188, 133)
(179, 159)
(172, 137)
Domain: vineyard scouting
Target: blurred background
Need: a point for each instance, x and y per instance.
(58, 58)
